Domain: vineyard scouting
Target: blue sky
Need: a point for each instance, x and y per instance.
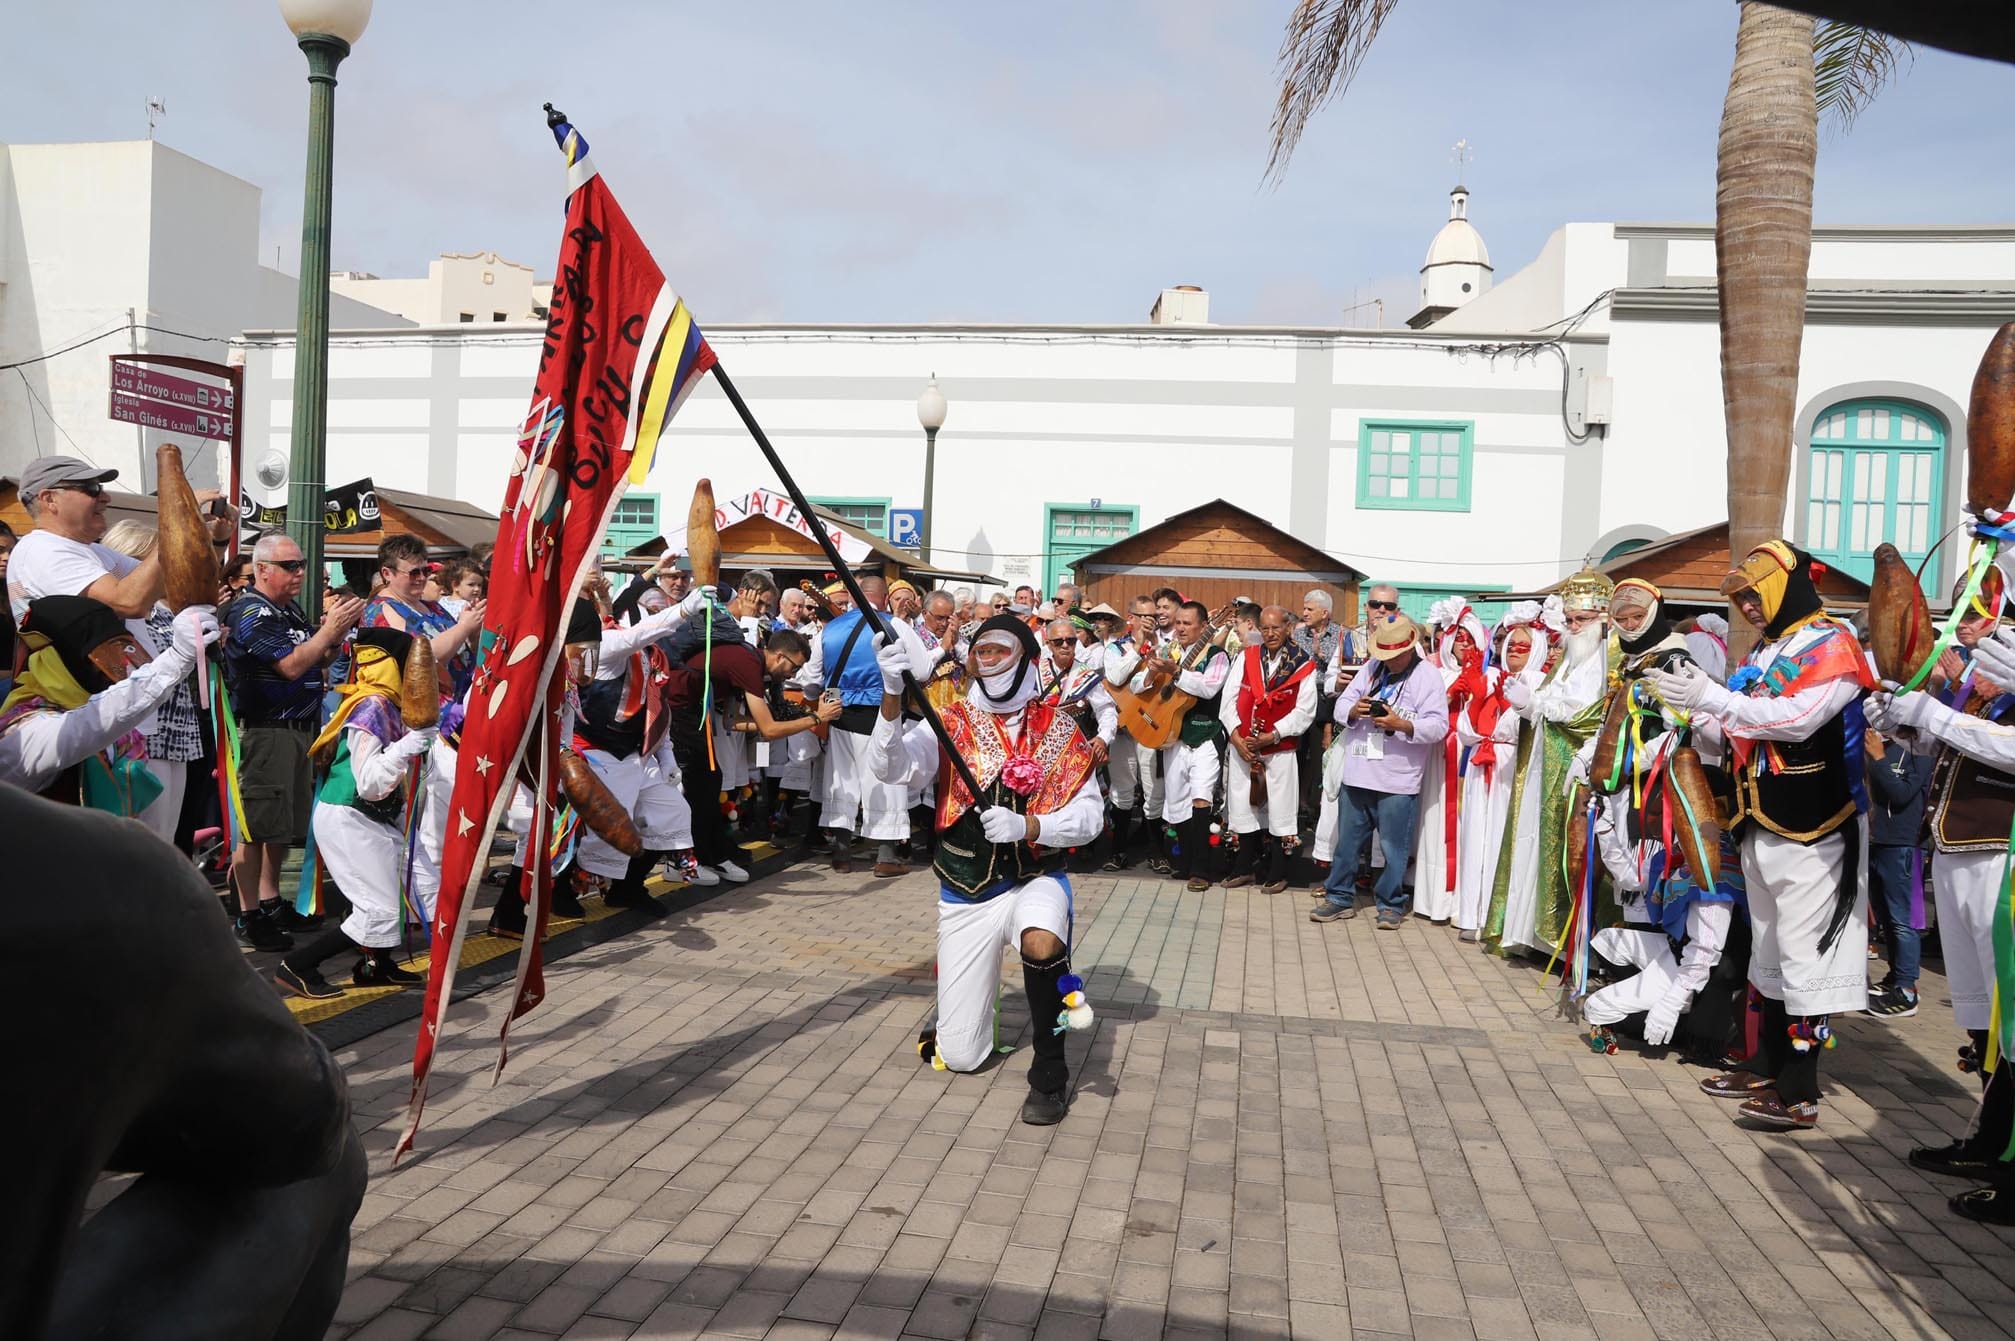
(1045, 161)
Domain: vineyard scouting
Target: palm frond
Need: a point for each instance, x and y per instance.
(1325, 42)
(1851, 65)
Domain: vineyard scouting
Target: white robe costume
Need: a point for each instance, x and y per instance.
(647, 783)
(1434, 896)
(1574, 685)
(1486, 797)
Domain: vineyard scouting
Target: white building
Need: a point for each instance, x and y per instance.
(133, 239)
(464, 288)
(1569, 411)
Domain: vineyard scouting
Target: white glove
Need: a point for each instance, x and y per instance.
(893, 660)
(1894, 714)
(1685, 688)
(1518, 693)
(1996, 656)
(1661, 1021)
(414, 743)
(695, 602)
(195, 627)
(1002, 825)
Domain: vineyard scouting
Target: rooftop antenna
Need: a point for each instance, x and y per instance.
(157, 107)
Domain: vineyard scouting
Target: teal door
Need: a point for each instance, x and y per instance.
(1077, 529)
(1876, 471)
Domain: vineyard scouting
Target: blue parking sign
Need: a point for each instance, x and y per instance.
(905, 527)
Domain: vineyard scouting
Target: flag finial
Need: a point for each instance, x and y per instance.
(554, 118)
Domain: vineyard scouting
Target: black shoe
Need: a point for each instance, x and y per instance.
(634, 896)
(1957, 1160)
(566, 903)
(377, 973)
(257, 932)
(305, 982)
(507, 919)
(286, 918)
(1988, 1205)
(1044, 1110)
(1891, 1003)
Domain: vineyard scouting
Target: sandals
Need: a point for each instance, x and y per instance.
(1737, 1085)
(1772, 1111)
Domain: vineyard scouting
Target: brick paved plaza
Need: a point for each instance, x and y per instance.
(717, 1126)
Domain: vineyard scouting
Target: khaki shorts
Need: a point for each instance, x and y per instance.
(276, 784)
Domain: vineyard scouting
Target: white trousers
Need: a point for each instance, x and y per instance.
(367, 861)
(1966, 885)
(1132, 773)
(1281, 815)
(795, 762)
(646, 785)
(437, 792)
(971, 937)
(1650, 953)
(1189, 775)
(165, 810)
(853, 797)
(1791, 891)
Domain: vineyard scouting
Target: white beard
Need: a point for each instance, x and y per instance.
(1584, 646)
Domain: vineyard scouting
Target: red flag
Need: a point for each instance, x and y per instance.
(620, 354)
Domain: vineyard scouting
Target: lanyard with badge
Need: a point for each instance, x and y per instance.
(1370, 744)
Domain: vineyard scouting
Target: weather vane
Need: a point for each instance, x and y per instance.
(1461, 154)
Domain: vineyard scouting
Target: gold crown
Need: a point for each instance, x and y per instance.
(1586, 590)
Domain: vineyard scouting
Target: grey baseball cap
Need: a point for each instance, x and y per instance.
(47, 472)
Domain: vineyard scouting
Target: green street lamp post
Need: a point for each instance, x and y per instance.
(326, 30)
(931, 414)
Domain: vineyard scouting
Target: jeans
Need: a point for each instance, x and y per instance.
(1889, 883)
(1360, 811)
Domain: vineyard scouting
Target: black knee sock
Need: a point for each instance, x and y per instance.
(1276, 860)
(1196, 861)
(1798, 1077)
(1245, 861)
(308, 958)
(1773, 1044)
(1047, 1073)
(1122, 829)
(1997, 1113)
(632, 883)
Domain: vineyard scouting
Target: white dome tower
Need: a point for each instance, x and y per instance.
(1457, 268)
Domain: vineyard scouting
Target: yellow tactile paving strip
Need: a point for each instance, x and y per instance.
(479, 948)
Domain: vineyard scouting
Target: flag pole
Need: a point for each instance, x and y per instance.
(912, 690)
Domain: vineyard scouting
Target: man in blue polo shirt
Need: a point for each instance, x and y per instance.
(852, 794)
(276, 663)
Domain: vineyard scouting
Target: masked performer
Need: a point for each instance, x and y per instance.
(1488, 728)
(1275, 693)
(1458, 654)
(1529, 898)
(360, 820)
(1792, 717)
(1972, 813)
(1035, 772)
(71, 728)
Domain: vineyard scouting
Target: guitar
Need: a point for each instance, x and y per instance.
(822, 607)
(1154, 715)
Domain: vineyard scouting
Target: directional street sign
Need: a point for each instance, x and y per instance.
(142, 395)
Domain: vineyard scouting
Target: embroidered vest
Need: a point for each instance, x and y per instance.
(1804, 789)
(1200, 725)
(1973, 805)
(1260, 706)
(967, 864)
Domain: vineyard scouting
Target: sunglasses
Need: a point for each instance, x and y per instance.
(1383, 605)
(90, 489)
(1062, 642)
(286, 565)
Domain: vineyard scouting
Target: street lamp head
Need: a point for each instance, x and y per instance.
(931, 407)
(343, 19)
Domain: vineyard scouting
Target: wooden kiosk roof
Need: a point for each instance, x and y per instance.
(1213, 553)
(759, 541)
(1689, 567)
(447, 525)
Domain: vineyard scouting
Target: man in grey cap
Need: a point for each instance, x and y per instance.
(62, 557)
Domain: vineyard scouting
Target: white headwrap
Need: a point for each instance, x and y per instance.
(1011, 688)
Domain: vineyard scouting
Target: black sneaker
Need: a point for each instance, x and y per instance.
(1957, 1160)
(305, 982)
(257, 932)
(1044, 1110)
(287, 918)
(372, 973)
(1891, 1003)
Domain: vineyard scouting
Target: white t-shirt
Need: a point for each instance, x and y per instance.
(47, 564)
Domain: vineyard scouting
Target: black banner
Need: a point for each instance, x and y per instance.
(346, 510)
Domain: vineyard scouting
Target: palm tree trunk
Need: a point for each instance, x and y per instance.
(1763, 250)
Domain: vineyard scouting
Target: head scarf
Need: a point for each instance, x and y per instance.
(1633, 593)
(1449, 615)
(377, 671)
(1014, 686)
(1781, 576)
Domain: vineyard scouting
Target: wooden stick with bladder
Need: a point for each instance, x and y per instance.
(190, 573)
